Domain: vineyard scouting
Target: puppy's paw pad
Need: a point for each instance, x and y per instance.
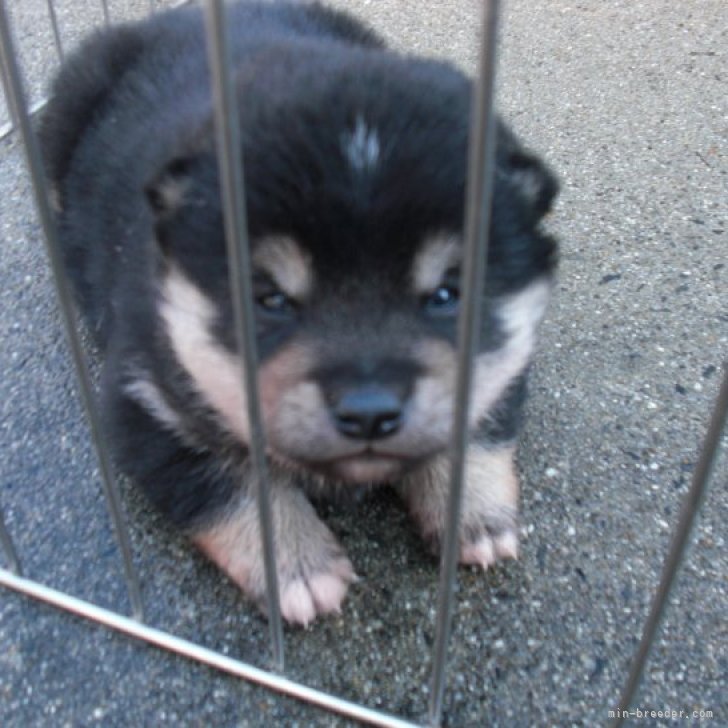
(489, 548)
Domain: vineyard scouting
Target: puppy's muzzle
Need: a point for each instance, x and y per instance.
(368, 412)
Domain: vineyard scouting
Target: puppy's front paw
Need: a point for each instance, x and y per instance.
(488, 522)
(319, 592)
(313, 571)
(494, 543)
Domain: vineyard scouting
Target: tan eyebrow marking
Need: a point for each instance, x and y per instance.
(435, 258)
(286, 263)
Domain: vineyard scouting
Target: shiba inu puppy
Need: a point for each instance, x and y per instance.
(355, 169)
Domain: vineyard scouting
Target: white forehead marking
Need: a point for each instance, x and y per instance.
(289, 266)
(362, 146)
(434, 259)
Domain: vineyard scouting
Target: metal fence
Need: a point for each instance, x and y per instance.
(477, 225)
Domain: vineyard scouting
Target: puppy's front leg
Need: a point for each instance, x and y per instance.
(313, 571)
(489, 515)
(215, 504)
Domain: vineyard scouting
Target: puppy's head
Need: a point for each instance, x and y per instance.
(355, 199)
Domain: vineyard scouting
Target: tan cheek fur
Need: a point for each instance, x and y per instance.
(284, 372)
(494, 371)
(217, 374)
(521, 314)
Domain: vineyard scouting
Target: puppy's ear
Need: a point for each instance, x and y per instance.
(535, 183)
(525, 174)
(168, 191)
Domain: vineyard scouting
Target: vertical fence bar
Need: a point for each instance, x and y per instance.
(7, 128)
(105, 8)
(8, 547)
(477, 225)
(14, 93)
(229, 155)
(56, 32)
(678, 545)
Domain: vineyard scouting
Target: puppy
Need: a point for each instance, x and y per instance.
(355, 172)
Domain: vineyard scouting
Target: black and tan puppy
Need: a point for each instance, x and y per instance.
(355, 167)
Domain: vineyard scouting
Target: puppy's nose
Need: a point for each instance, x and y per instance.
(368, 413)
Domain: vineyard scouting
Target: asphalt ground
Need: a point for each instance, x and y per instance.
(628, 102)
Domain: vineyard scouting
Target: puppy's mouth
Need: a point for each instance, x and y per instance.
(366, 467)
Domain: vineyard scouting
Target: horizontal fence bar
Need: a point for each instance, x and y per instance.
(201, 654)
(16, 100)
(678, 545)
(477, 226)
(8, 547)
(229, 155)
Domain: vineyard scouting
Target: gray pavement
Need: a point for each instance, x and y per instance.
(629, 102)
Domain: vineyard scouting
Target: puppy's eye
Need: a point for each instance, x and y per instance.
(443, 300)
(275, 302)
